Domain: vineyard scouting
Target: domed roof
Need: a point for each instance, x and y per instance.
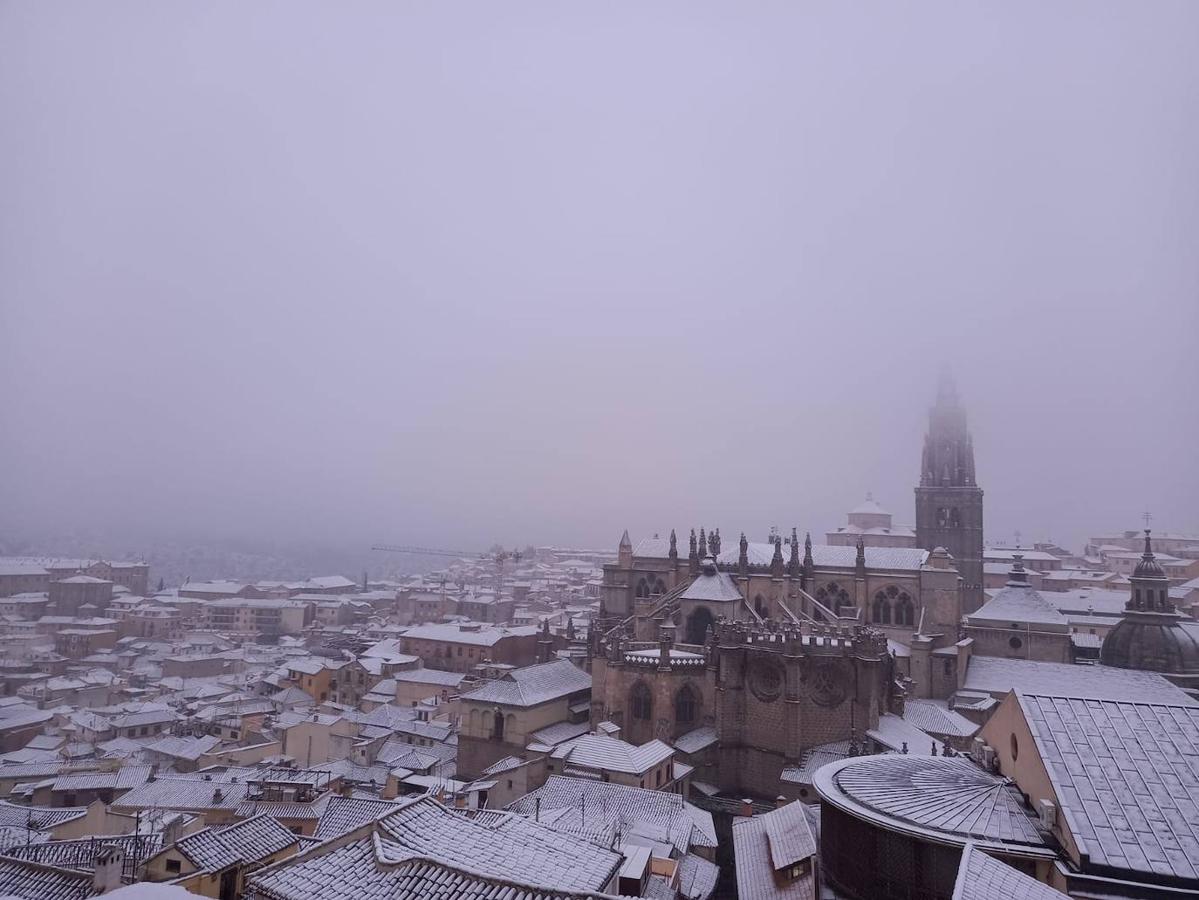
(1153, 641)
(869, 508)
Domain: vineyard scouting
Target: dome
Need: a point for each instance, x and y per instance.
(1153, 641)
(869, 508)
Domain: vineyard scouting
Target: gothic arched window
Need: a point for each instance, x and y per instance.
(642, 589)
(659, 587)
(905, 611)
(760, 606)
(684, 705)
(882, 609)
(641, 702)
(497, 731)
(955, 518)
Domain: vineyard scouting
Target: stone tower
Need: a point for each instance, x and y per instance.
(949, 502)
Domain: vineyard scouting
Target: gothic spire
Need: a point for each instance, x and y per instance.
(860, 561)
(776, 561)
(793, 563)
(674, 546)
(743, 556)
(717, 534)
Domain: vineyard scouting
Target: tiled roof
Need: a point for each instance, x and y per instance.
(533, 685)
(429, 676)
(697, 877)
(935, 717)
(1126, 776)
(353, 871)
(344, 814)
(453, 634)
(37, 882)
(597, 751)
(682, 824)
(81, 854)
(789, 834)
(1018, 603)
(902, 736)
(717, 587)
(245, 842)
(285, 809)
(507, 764)
(696, 739)
(982, 877)
(755, 868)
(515, 848)
(558, 732)
(948, 797)
(183, 793)
(189, 748)
(123, 778)
(43, 817)
(993, 675)
(812, 760)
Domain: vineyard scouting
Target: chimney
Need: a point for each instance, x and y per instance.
(217, 796)
(459, 800)
(747, 807)
(109, 863)
(780, 801)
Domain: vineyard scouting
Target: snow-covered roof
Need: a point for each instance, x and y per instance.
(598, 751)
(995, 675)
(533, 685)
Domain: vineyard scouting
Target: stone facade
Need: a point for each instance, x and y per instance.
(769, 692)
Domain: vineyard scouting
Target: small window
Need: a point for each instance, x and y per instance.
(1015, 747)
(174, 866)
(1015, 643)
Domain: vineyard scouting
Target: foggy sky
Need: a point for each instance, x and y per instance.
(533, 272)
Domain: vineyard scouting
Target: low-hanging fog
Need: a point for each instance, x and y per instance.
(537, 272)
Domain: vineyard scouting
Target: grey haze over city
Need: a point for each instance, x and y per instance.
(538, 273)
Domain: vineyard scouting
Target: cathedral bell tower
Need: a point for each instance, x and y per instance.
(949, 502)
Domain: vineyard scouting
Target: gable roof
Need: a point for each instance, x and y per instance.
(533, 685)
(250, 841)
(598, 751)
(319, 876)
(511, 847)
(680, 823)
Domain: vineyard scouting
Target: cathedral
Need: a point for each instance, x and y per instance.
(774, 647)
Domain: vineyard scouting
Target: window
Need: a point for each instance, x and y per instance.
(174, 866)
(684, 705)
(658, 778)
(1015, 745)
(641, 701)
(1015, 643)
(905, 611)
(882, 609)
